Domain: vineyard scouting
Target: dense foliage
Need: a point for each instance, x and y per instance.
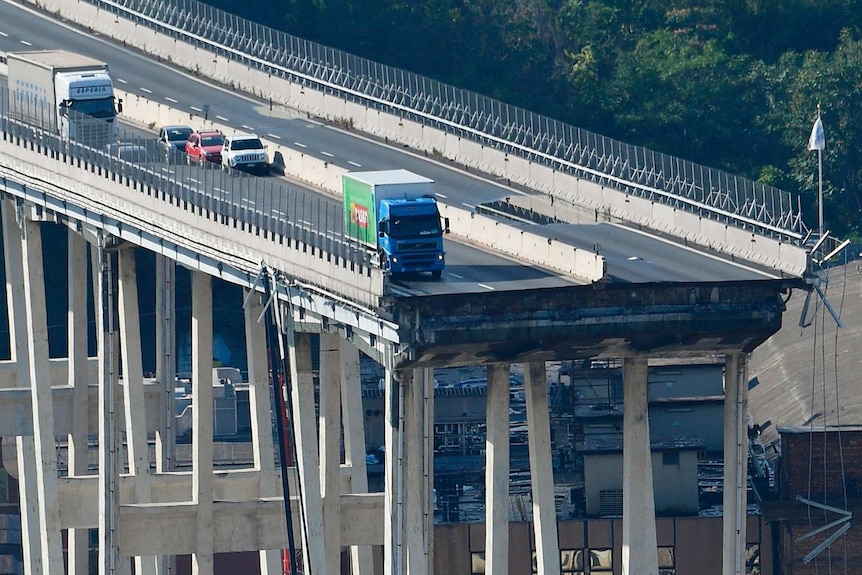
(732, 84)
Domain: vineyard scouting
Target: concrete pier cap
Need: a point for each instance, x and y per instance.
(583, 322)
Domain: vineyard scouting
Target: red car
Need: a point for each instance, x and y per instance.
(204, 146)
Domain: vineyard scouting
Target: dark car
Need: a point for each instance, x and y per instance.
(172, 140)
(204, 146)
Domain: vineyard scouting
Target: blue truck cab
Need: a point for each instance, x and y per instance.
(410, 236)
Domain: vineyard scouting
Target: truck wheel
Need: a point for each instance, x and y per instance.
(437, 274)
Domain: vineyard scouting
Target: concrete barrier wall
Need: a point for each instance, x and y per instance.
(243, 247)
(397, 129)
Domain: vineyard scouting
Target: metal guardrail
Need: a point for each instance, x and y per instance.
(709, 192)
(268, 204)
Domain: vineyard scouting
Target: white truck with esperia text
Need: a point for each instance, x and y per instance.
(67, 93)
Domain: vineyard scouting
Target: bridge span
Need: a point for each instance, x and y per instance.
(300, 283)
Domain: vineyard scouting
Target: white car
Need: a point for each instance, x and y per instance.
(244, 152)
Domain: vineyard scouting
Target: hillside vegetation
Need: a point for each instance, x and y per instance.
(732, 84)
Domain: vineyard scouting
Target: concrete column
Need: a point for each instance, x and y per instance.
(109, 496)
(415, 473)
(541, 470)
(43, 403)
(640, 555)
(166, 372)
(353, 422)
(428, 471)
(202, 420)
(393, 492)
(76, 268)
(497, 471)
(19, 344)
(305, 435)
(735, 463)
(261, 418)
(133, 391)
(330, 447)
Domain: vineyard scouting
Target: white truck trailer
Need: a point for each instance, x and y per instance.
(64, 92)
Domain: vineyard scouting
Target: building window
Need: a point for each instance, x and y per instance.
(611, 502)
(601, 560)
(571, 562)
(4, 486)
(666, 565)
(752, 559)
(670, 457)
(478, 562)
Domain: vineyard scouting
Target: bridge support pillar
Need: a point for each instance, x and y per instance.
(47, 489)
(640, 554)
(166, 371)
(305, 435)
(261, 421)
(735, 464)
(78, 539)
(353, 422)
(416, 464)
(26, 447)
(497, 471)
(393, 429)
(541, 470)
(137, 449)
(202, 421)
(330, 447)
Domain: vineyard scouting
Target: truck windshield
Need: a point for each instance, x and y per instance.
(101, 108)
(415, 226)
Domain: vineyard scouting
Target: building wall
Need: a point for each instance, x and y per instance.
(674, 481)
(701, 419)
(690, 545)
(825, 467)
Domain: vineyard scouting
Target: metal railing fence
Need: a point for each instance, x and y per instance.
(265, 203)
(637, 171)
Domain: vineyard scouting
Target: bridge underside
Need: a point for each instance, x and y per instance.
(582, 322)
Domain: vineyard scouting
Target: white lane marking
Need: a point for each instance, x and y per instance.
(4, 34)
(439, 195)
(247, 201)
(218, 190)
(248, 127)
(170, 99)
(456, 276)
(278, 213)
(277, 137)
(222, 118)
(327, 154)
(471, 206)
(196, 109)
(121, 81)
(486, 286)
(194, 181)
(145, 90)
(354, 164)
(26, 43)
(304, 222)
(300, 145)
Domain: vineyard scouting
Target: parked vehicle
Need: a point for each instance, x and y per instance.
(64, 92)
(128, 152)
(204, 147)
(395, 212)
(244, 152)
(172, 140)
